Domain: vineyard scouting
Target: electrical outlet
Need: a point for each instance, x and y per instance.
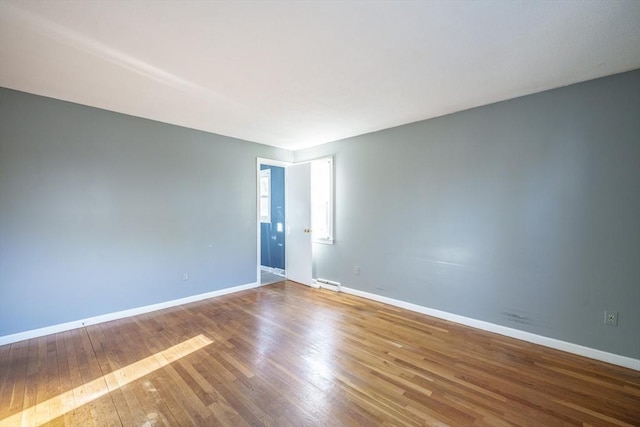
(185, 276)
(611, 318)
(356, 270)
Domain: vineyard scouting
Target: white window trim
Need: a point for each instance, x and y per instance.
(330, 239)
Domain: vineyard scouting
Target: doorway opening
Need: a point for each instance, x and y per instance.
(272, 214)
(285, 221)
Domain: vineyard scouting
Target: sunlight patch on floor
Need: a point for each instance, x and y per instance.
(59, 405)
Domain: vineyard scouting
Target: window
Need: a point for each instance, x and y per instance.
(322, 200)
(265, 196)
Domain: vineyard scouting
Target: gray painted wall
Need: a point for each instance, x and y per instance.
(529, 206)
(102, 212)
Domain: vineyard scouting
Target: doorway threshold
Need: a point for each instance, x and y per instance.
(271, 275)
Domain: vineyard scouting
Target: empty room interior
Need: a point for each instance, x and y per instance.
(347, 213)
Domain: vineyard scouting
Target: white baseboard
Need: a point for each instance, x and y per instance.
(54, 329)
(592, 353)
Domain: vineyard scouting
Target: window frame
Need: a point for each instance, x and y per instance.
(329, 215)
(265, 196)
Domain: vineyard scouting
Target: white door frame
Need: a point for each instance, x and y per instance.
(270, 162)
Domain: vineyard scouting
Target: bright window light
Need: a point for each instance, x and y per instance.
(265, 196)
(322, 200)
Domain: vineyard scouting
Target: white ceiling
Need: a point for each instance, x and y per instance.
(296, 74)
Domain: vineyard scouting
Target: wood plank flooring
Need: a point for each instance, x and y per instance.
(288, 355)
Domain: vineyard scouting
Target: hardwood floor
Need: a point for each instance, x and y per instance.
(288, 355)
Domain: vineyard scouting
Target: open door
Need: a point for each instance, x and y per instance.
(299, 245)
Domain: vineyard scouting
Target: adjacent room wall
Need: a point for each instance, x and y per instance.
(524, 213)
(272, 239)
(102, 212)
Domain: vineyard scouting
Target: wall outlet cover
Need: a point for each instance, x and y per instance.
(611, 318)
